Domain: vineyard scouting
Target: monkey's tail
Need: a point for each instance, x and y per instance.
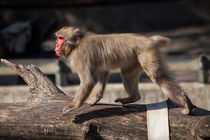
(160, 41)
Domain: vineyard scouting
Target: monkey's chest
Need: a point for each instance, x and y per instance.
(71, 63)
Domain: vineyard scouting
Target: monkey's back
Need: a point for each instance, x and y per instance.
(113, 50)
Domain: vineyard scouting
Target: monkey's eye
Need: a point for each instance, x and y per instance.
(60, 37)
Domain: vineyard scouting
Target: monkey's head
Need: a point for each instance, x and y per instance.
(67, 39)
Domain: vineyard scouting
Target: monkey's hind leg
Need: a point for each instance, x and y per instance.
(130, 81)
(155, 68)
(99, 88)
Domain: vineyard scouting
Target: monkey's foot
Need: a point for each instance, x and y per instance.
(124, 101)
(68, 108)
(188, 110)
(93, 101)
(188, 107)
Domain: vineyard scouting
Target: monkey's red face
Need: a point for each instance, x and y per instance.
(59, 46)
(67, 39)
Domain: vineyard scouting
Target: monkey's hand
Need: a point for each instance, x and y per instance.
(68, 108)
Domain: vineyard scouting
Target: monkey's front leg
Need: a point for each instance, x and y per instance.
(84, 91)
(98, 90)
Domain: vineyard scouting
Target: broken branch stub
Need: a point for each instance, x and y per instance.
(42, 89)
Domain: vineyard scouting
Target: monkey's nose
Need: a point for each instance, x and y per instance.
(57, 46)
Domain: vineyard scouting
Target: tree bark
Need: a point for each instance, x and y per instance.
(40, 117)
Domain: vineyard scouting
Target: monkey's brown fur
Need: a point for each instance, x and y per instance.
(93, 55)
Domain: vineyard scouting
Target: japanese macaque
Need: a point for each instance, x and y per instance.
(93, 55)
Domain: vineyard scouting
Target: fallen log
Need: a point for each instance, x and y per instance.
(40, 117)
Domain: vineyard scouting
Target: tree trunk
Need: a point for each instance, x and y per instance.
(40, 117)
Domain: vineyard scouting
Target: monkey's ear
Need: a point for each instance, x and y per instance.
(78, 34)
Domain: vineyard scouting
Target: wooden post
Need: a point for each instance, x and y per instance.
(204, 66)
(64, 71)
(157, 121)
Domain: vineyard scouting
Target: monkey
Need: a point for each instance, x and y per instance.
(94, 55)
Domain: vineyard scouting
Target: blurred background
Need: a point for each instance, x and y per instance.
(27, 30)
(27, 27)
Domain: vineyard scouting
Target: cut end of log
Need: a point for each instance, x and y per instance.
(2, 60)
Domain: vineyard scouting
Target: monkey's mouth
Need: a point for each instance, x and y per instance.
(59, 52)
